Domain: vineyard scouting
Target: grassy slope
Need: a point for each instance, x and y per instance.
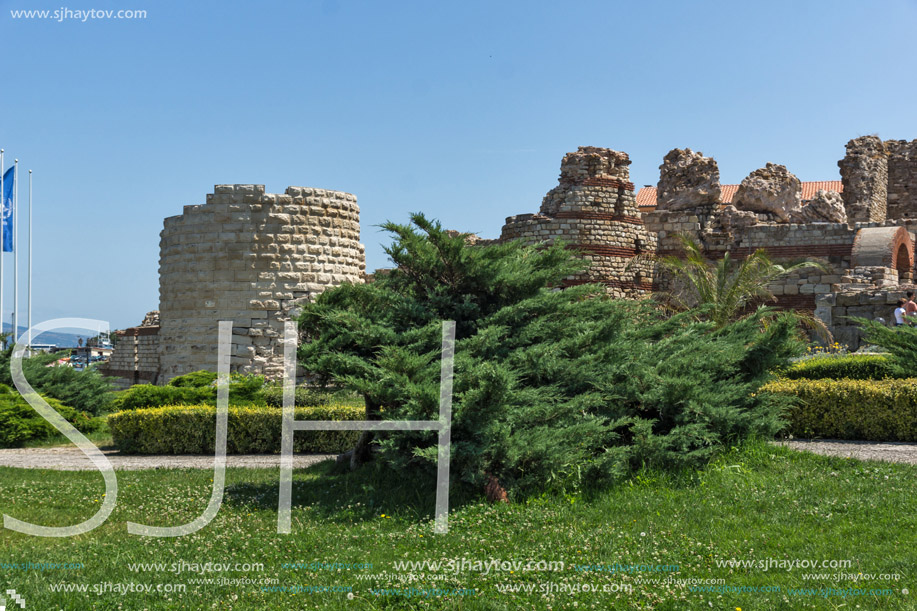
(751, 504)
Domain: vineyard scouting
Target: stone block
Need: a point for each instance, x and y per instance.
(823, 313)
(848, 299)
(861, 311)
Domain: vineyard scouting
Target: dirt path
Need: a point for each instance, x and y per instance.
(72, 459)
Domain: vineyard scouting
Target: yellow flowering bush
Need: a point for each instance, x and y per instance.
(872, 410)
(190, 429)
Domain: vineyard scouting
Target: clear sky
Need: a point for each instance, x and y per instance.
(462, 110)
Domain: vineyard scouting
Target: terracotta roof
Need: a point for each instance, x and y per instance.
(646, 196)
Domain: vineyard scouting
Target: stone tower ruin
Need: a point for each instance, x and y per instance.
(253, 258)
(594, 210)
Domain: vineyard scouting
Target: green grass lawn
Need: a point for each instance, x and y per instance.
(753, 504)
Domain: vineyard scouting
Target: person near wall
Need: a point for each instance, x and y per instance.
(910, 307)
(900, 312)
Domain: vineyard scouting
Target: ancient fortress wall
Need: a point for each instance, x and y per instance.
(873, 303)
(864, 172)
(135, 359)
(594, 210)
(253, 258)
(863, 237)
(831, 244)
(880, 179)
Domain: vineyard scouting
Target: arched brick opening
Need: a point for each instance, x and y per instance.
(884, 247)
(904, 263)
(903, 255)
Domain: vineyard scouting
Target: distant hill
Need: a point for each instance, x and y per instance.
(61, 340)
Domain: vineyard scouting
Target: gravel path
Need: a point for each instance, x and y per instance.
(862, 450)
(72, 459)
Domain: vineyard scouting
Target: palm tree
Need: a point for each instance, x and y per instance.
(724, 290)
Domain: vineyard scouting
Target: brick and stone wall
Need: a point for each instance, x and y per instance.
(868, 260)
(871, 303)
(594, 210)
(768, 214)
(830, 244)
(863, 238)
(135, 359)
(253, 258)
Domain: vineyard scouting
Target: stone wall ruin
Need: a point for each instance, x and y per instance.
(254, 258)
(135, 359)
(862, 236)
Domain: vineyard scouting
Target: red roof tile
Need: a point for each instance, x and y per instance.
(646, 196)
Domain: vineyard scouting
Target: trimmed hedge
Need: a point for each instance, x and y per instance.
(870, 410)
(190, 429)
(852, 366)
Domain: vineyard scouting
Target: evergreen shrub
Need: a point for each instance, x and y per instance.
(304, 396)
(195, 388)
(85, 391)
(553, 388)
(20, 423)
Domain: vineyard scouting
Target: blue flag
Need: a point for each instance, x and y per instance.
(8, 210)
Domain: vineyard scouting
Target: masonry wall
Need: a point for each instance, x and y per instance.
(830, 244)
(833, 310)
(253, 258)
(902, 179)
(135, 359)
(864, 173)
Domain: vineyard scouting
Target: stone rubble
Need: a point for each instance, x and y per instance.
(825, 207)
(771, 189)
(687, 180)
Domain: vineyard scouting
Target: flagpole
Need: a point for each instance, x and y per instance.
(15, 250)
(2, 224)
(30, 265)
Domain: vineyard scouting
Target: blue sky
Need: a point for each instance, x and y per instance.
(460, 110)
